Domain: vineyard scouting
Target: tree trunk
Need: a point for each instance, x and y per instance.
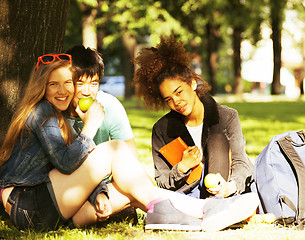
(238, 81)
(277, 8)
(277, 60)
(89, 31)
(28, 29)
(212, 51)
(129, 43)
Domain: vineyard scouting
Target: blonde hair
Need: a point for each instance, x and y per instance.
(34, 93)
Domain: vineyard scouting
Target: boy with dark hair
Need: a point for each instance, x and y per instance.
(89, 68)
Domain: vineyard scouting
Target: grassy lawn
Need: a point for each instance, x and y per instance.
(260, 122)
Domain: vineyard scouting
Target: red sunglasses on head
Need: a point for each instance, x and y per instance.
(49, 58)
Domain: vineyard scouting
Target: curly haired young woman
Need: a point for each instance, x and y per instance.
(212, 131)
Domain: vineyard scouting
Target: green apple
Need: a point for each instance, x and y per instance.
(85, 103)
(211, 180)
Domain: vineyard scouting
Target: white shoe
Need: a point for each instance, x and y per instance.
(222, 213)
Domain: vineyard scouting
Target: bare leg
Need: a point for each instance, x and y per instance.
(72, 191)
(86, 215)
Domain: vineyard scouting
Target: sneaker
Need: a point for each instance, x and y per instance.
(222, 213)
(166, 217)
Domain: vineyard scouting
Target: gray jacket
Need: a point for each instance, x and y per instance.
(217, 119)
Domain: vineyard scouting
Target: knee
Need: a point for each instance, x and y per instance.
(120, 147)
(117, 144)
(110, 147)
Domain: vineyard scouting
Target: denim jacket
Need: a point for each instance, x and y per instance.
(217, 119)
(41, 149)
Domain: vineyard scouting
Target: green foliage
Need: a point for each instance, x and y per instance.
(139, 18)
(277, 8)
(248, 16)
(92, 3)
(73, 34)
(187, 19)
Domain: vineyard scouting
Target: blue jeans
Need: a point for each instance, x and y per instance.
(33, 208)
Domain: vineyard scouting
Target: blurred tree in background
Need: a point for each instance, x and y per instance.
(245, 18)
(277, 16)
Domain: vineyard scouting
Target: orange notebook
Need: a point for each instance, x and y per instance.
(173, 152)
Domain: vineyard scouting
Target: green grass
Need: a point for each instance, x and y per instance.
(260, 122)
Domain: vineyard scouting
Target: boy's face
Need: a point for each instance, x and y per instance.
(86, 87)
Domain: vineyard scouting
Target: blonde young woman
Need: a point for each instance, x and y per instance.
(50, 178)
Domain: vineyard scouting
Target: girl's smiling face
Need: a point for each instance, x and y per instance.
(60, 88)
(179, 95)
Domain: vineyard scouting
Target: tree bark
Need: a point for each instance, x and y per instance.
(238, 81)
(213, 37)
(129, 42)
(28, 29)
(277, 16)
(277, 49)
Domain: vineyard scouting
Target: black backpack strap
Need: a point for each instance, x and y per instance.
(286, 145)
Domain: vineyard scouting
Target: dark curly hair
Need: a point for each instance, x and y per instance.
(168, 60)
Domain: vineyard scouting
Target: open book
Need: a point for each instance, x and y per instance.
(173, 152)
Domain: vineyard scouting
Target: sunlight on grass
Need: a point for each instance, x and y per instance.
(261, 121)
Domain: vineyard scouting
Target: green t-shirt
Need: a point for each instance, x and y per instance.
(116, 123)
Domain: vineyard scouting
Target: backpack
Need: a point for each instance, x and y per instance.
(279, 177)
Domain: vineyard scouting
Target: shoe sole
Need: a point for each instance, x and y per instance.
(172, 227)
(166, 217)
(240, 210)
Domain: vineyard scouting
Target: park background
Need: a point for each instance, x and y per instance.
(239, 46)
(250, 51)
